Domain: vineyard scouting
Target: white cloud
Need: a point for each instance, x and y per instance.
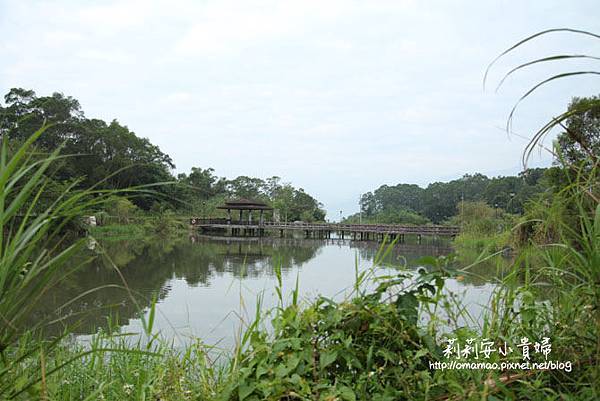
(344, 95)
(178, 98)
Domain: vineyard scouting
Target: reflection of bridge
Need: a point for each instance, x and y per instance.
(323, 230)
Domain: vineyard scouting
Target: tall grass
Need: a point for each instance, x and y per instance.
(36, 254)
(376, 344)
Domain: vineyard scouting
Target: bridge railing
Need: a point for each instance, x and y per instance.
(220, 221)
(367, 227)
(379, 228)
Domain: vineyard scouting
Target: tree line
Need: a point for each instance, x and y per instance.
(412, 204)
(576, 151)
(108, 155)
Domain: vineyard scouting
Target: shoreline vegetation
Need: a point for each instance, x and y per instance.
(382, 342)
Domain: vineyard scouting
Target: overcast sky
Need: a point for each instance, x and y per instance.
(336, 97)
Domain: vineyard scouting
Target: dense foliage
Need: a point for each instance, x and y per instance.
(369, 347)
(376, 345)
(581, 137)
(409, 203)
(204, 191)
(110, 156)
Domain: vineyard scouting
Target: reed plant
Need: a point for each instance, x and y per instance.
(376, 344)
(37, 249)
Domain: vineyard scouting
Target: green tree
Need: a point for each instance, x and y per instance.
(122, 208)
(246, 187)
(581, 139)
(368, 204)
(109, 156)
(283, 200)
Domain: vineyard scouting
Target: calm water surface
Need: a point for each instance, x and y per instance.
(205, 285)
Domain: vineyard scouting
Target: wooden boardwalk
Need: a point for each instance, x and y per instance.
(324, 230)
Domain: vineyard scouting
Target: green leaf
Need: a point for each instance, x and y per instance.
(293, 361)
(407, 305)
(281, 370)
(245, 389)
(346, 393)
(327, 358)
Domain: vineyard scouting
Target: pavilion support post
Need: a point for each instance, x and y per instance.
(250, 217)
(241, 216)
(260, 220)
(228, 216)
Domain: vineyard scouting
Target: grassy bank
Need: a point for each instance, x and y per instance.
(390, 342)
(377, 345)
(382, 344)
(117, 231)
(142, 226)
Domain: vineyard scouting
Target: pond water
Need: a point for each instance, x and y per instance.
(206, 286)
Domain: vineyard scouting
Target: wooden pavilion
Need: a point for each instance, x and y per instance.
(242, 205)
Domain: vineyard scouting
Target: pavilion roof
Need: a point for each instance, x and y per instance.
(245, 204)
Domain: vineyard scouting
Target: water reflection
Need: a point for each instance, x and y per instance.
(192, 279)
